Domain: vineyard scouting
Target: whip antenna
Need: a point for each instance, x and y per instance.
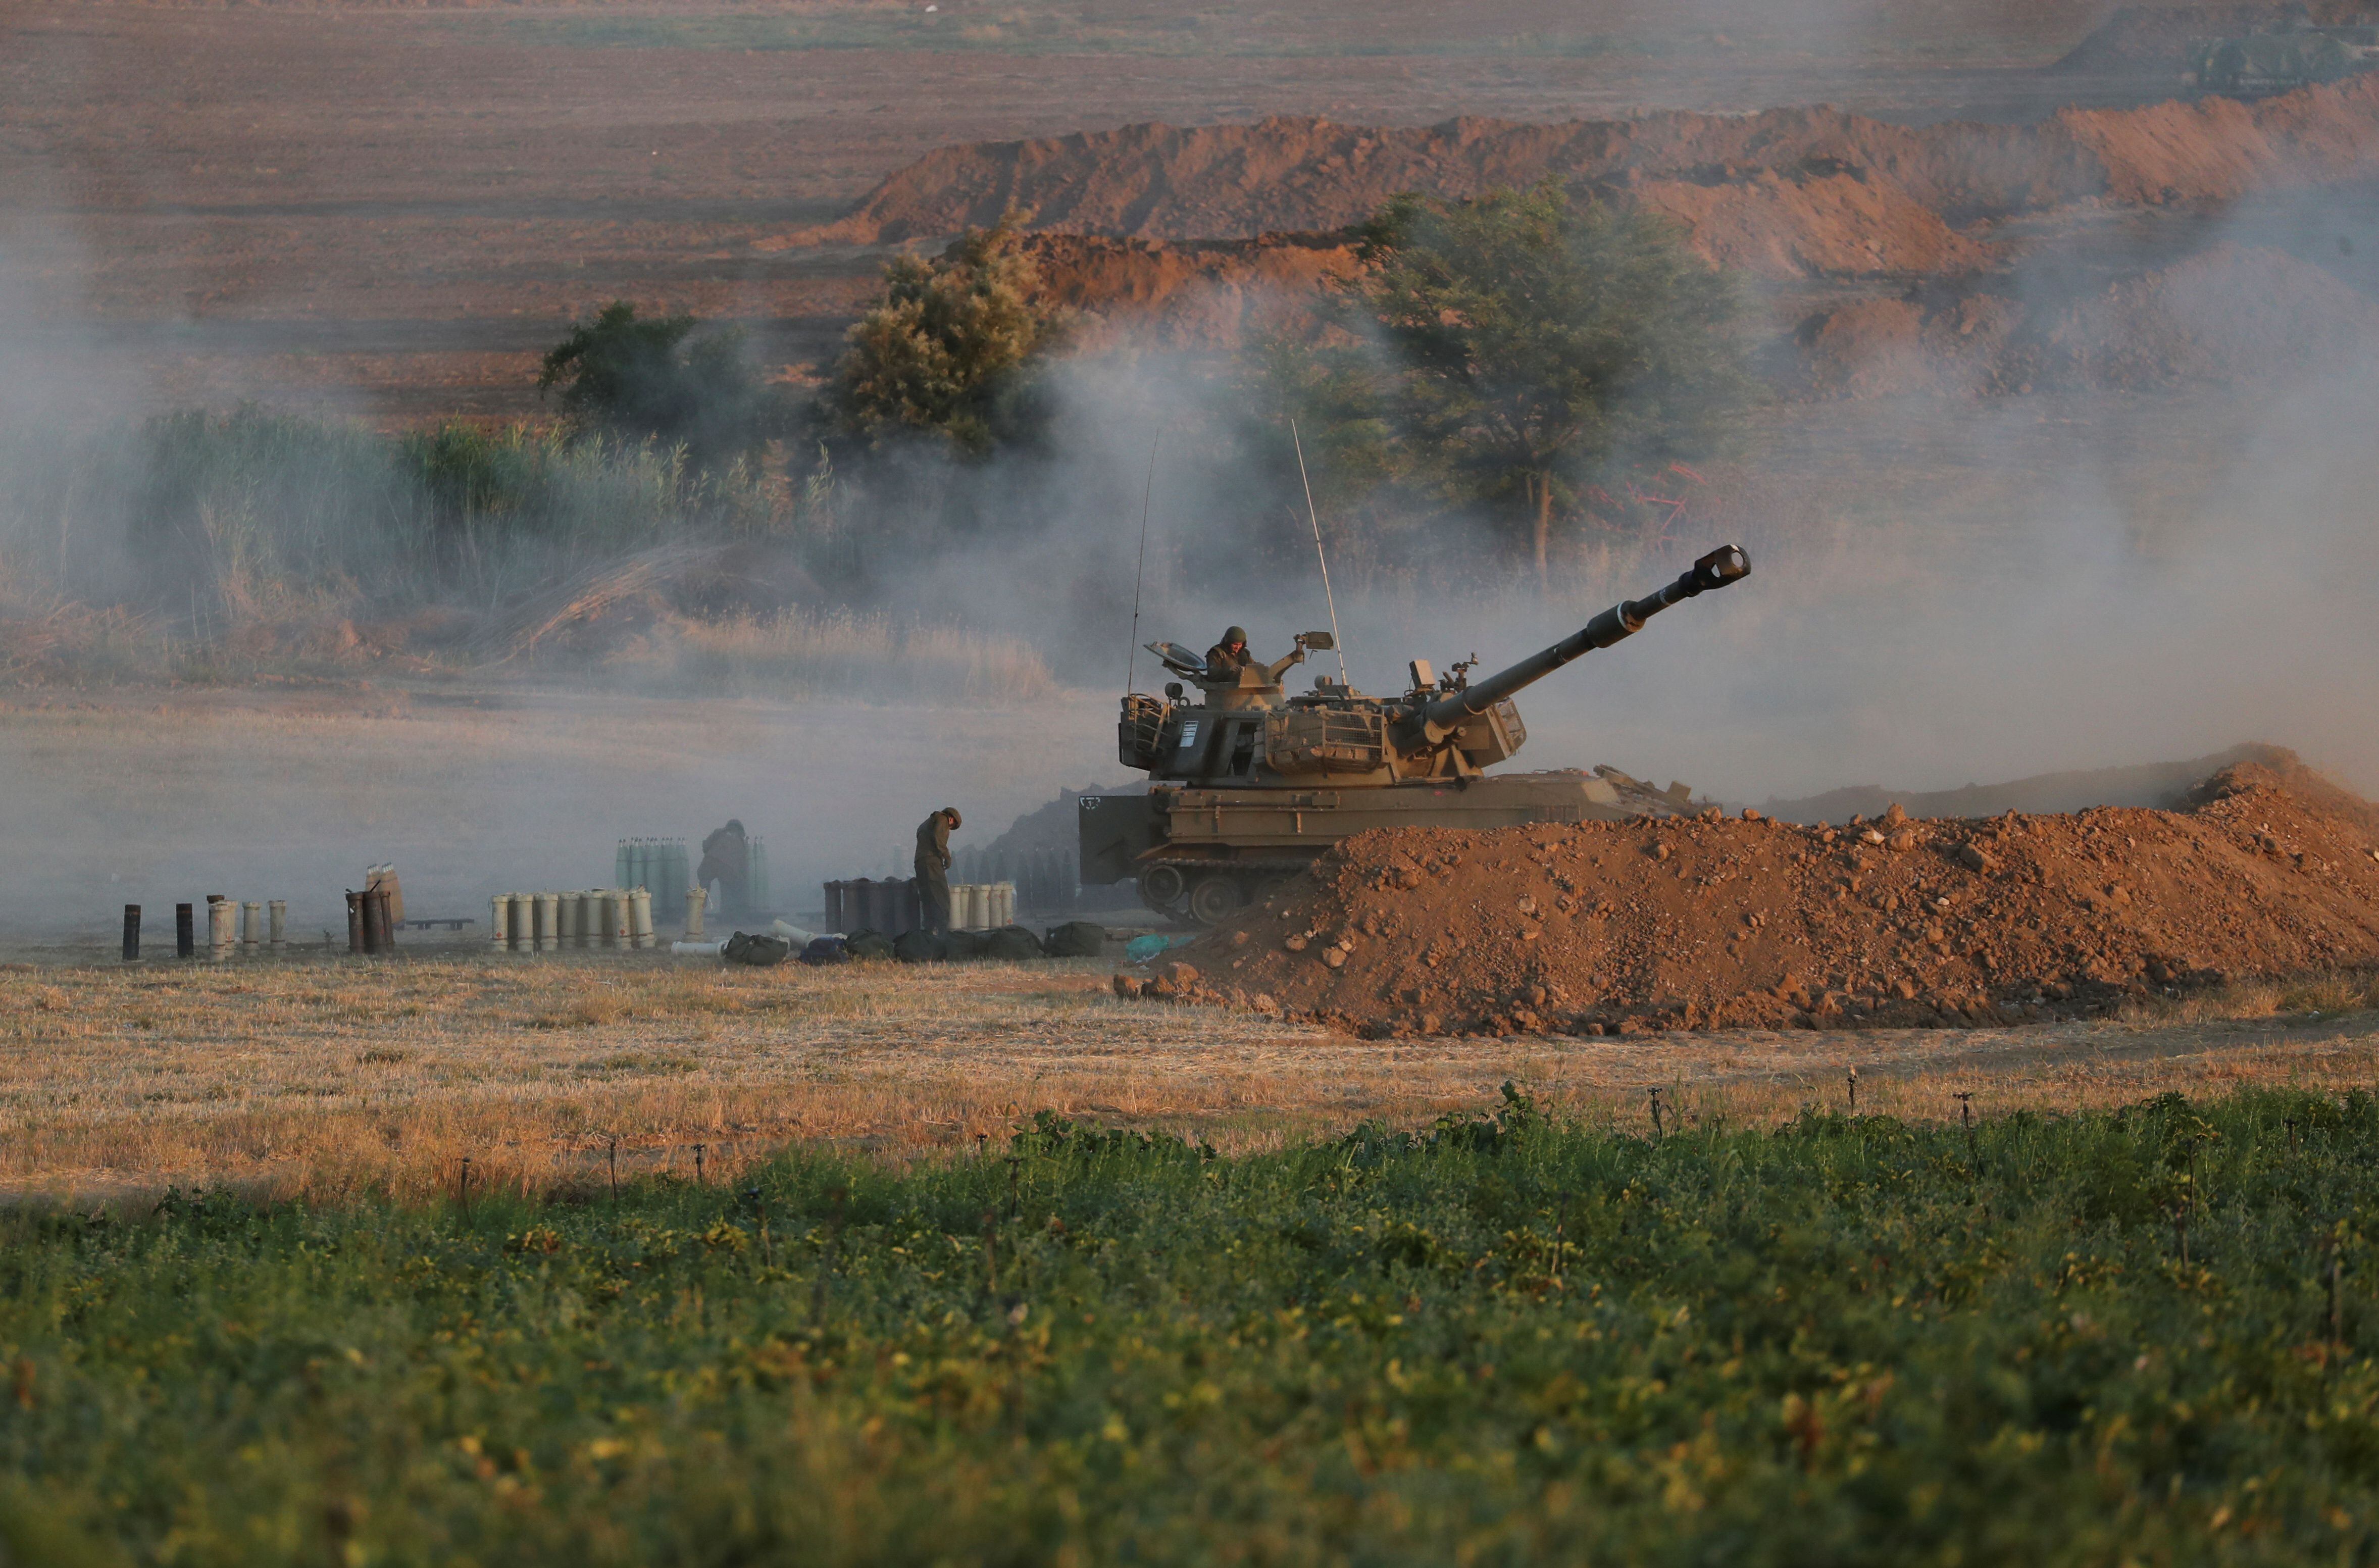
(1337, 642)
(1131, 651)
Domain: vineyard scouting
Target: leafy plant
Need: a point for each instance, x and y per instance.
(1517, 347)
(1510, 1338)
(953, 349)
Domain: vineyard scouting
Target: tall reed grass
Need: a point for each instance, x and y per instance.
(197, 527)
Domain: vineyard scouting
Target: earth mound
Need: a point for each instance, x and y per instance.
(1607, 928)
(1793, 192)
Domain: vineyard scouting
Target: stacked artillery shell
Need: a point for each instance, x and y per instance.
(131, 932)
(276, 923)
(694, 900)
(222, 914)
(251, 927)
(186, 941)
(543, 922)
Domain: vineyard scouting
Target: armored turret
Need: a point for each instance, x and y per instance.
(1248, 783)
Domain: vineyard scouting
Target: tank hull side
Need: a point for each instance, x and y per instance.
(1280, 830)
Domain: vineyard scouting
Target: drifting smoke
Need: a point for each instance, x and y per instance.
(2004, 586)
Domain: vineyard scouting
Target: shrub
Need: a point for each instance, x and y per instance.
(663, 379)
(953, 349)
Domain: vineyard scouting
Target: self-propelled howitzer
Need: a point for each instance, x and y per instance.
(1247, 784)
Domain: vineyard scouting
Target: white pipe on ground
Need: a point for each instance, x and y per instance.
(795, 935)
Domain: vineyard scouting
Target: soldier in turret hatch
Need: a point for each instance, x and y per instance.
(1227, 657)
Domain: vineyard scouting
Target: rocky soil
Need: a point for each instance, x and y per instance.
(1707, 922)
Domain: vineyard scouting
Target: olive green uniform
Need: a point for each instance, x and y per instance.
(727, 860)
(934, 870)
(1222, 662)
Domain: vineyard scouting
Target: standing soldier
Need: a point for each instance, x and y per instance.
(727, 860)
(933, 867)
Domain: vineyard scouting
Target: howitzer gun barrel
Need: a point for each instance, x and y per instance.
(1716, 570)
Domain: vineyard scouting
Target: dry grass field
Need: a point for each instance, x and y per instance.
(329, 1077)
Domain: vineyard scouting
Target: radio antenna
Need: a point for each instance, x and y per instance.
(1336, 642)
(1131, 652)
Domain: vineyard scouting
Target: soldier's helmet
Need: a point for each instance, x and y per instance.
(952, 813)
(1236, 637)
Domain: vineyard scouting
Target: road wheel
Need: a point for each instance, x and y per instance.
(1212, 901)
(1160, 885)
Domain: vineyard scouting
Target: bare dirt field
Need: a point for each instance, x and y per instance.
(325, 1076)
(390, 210)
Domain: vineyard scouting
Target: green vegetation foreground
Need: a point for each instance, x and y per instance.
(2096, 1338)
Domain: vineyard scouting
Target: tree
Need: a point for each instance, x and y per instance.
(662, 378)
(953, 349)
(1531, 342)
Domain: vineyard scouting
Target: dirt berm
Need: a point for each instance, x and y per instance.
(1713, 922)
(1785, 192)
